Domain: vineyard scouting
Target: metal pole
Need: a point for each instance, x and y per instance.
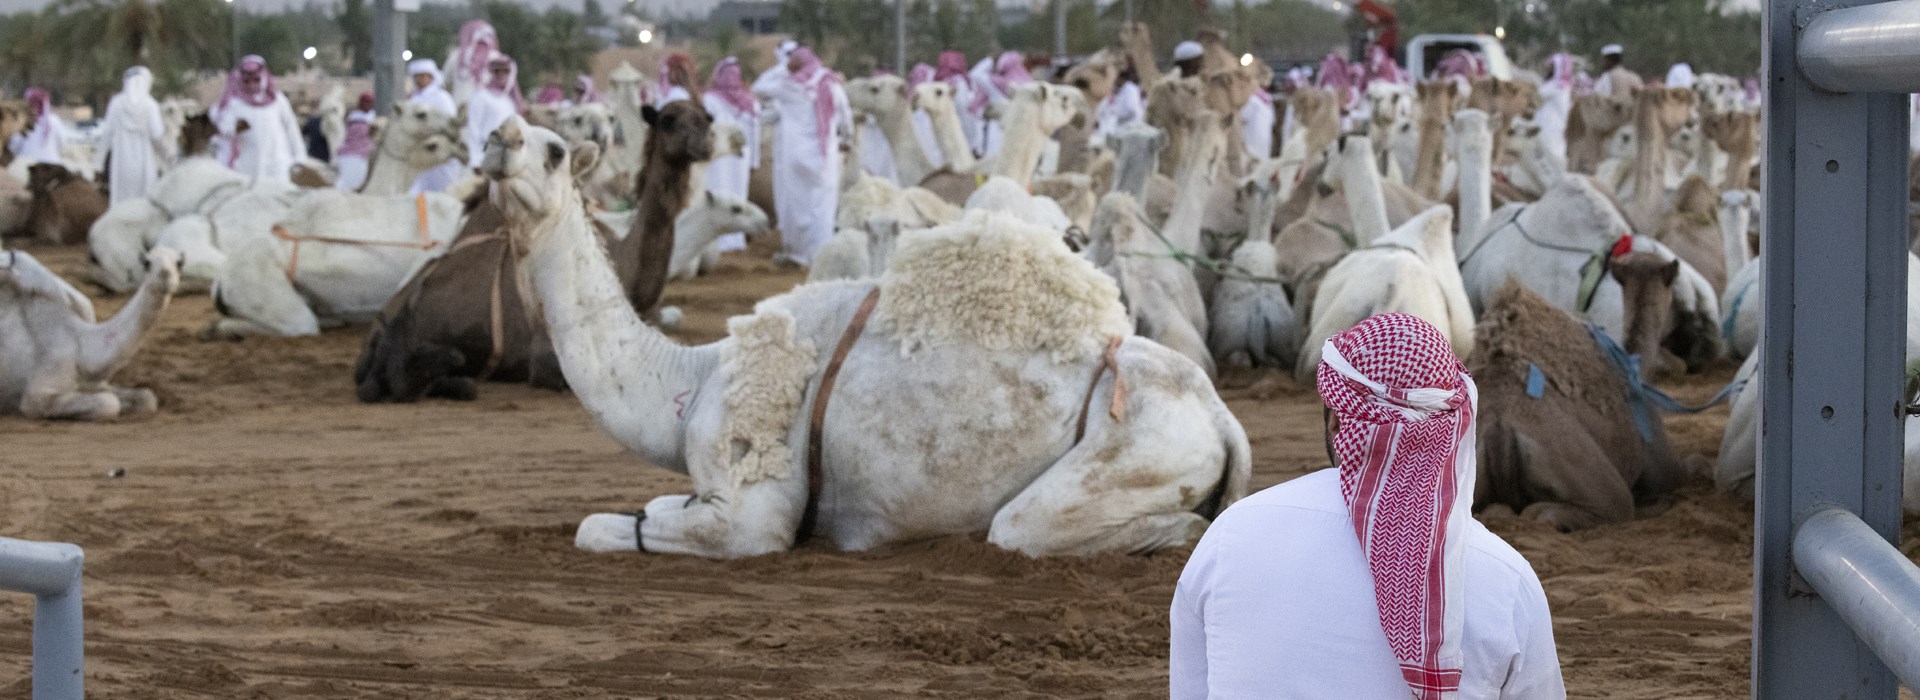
(51, 573)
(1873, 48)
(1059, 30)
(389, 39)
(900, 37)
(233, 34)
(1874, 587)
(1834, 179)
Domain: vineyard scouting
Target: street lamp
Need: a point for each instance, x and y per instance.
(646, 36)
(406, 55)
(1246, 59)
(1499, 32)
(309, 53)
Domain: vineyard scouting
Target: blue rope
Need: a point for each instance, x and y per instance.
(1640, 393)
(1733, 312)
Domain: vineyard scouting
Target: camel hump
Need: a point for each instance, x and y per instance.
(995, 281)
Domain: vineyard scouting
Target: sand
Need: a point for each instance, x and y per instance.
(272, 538)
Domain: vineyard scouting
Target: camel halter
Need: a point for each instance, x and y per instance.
(809, 518)
(425, 241)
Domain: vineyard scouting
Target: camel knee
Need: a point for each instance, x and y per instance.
(1059, 534)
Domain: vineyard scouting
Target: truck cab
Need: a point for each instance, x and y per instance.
(1425, 51)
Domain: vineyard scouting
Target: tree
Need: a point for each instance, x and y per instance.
(356, 24)
(592, 14)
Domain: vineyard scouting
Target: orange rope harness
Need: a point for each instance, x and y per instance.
(425, 242)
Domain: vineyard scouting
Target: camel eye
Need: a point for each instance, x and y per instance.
(736, 210)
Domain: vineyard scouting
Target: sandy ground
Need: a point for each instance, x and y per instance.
(273, 538)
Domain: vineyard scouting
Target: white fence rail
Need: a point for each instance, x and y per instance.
(50, 572)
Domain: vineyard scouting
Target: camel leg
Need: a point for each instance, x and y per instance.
(72, 405)
(1578, 486)
(1129, 487)
(136, 400)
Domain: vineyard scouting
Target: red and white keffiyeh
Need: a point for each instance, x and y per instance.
(1406, 449)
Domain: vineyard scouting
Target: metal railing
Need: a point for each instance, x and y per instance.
(1836, 605)
(50, 571)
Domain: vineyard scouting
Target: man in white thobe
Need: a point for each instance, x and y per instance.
(813, 126)
(429, 90)
(1279, 598)
(1615, 79)
(256, 124)
(134, 138)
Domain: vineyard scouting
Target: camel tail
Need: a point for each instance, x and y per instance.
(1238, 469)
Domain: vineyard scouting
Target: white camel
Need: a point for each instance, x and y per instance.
(593, 123)
(55, 360)
(884, 97)
(414, 139)
(704, 220)
(1251, 320)
(856, 253)
(935, 99)
(629, 124)
(334, 257)
(1136, 149)
(1035, 111)
(961, 451)
(1163, 300)
(1410, 270)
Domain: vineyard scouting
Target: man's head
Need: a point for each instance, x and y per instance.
(1187, 56)
(1610, 57)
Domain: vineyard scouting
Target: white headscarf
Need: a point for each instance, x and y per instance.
(1680, 76)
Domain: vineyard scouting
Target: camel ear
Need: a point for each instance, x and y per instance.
(1670, 272)
(710, 198)
(649, 114)
(585, 156)
(399, 108)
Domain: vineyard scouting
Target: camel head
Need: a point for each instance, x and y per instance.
(1056, 105)
(1509, 98)
(932, 97)
(878, 95)
(626, 84)
(728, 140)
(1350, 150)
(1646, 290)
(1094, 77)
(533, 172)
(1437, 98)
(1206, 139)
(196, 134)
(1602, 114)
(1733, 132)
(1391, 103)
(1686, 139)
(163, 268)
(1174, 99)
(678, 134)
(733, 213)
(1669, 107)
(1136, 37)
(1523, 137)
(44, 178)
(422, 136)
(586, 123)
(543, 116)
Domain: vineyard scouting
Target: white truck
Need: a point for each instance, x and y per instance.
(1425, 51)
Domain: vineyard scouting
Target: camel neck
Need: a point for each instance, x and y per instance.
(910, 161)
(1361, 183)
(114, 341)
(1474, 150)
(951, 138)
(632, 378)
(1024, 142)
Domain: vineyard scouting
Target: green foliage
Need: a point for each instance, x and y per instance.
(356, 29)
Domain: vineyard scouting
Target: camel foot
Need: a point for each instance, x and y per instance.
(606, 532)
(137, 401)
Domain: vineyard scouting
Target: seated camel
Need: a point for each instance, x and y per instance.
(55, 360)
(1561, 439)
(962, 399)
(64, 204)
(1410, 270)
(460, 318)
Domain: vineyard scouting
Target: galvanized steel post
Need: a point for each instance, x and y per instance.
(51, 573)
(1834, 181)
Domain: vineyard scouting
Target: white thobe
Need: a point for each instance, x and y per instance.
(972, 124)
(1121, 108)
(1556, 103)
(270, 145)
(730, 175)
(1277, 602)
(1256, 127)
(42, 143)
(876, 152)
(673, 94)
(443, 177)
(989, 129)
(134, 138)
(806, 172)
(486, 111)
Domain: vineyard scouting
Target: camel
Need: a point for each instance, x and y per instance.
(856, 252)
(1035, 111)
(1205, 146)
(415, 138)
(1073, 193)
(1734, 133)
(1136, 42)
(333, 257)
(1503, 101)
(1171, 103)
(884, 98)
(1251, 321)
(1316, 117)
(461, 317)
(1391, 127)
(1658, 112)
(1561, 441)
(935, 99)
(1137, 148)
(332, 111)
(1534, 166)
(1693, 230)
(680, 135)
(64, 205)
(1163, 301)
(1436, 109)
(1153, 464)
(1410, 270)
(1094, 77)
(1317, 222)
(1003, 195)
(593, 122)
(703, 221)
(55, 360)
(1593, 119)
(16, 204)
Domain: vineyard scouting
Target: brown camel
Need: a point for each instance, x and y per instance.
(1692, 230)
(1571, 452)
(1658, 112)
(1734, 133)
(196, 136)
(14, 119)
(679, 136)
(1137, 42)
(1437, 98)
(64, 205)
(1171, 102)
(1646, 290)
(460, 318)
(1503, 100)
(1592, 120)
(1316, 113)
